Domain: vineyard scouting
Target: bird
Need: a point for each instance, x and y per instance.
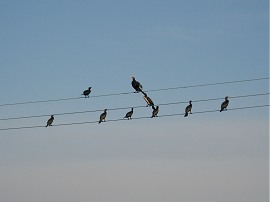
(87, 92)
(103, 116)
(155, 111)
(188, 109)
(136, 85)
(129, 114)
(148, 100)
(224, 104)
(50, 120)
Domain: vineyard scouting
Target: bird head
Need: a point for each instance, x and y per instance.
(89, 88)
(227, 97)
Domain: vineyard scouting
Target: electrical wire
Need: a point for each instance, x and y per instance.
(125, 93)
(123, 108)
(136, 118)
(210, 84)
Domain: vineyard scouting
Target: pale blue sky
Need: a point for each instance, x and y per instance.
(56, 49)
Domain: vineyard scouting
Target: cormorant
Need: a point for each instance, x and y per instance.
(188, 109)
(155, 111)
(148, 100)
(49, 122)
(87, 92)
(129, 114)
(136, 85)
(103, 116)
(225, 104)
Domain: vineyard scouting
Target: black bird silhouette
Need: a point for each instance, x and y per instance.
(148, 100)
(225, 104)
(50, 120)
(155, 111)
(136, 85)
(188, 109)
(103, 116)
(87, 92)
(129, 114)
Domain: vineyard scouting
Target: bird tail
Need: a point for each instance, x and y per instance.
(221, 109)
(99, 122)
(46, 126)
(186, 114)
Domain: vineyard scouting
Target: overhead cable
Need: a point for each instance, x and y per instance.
(125, 93)
(123, 108)
(136, 118)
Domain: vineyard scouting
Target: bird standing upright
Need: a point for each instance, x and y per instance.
(225, 104)
(188, 109)
(136, 85)
(87, 92)
(155, 111)
(103, 116)
(49, 122)
(148, 100)
(129, 114)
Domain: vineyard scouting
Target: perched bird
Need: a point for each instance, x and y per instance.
(188, 109)
(49, 122)
(155, 111)
(136, 85)
(225, 104)
(129, 114)
(87, 92)
(148, 100)
(103, 116)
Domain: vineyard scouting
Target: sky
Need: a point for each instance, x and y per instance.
(57, 49)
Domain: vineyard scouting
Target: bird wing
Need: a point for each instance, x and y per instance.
(50, 121)
(225, 104)
(188, 108)
(155, 112)
(129, 113)
(103, 115)
(134, 84)
(86, 92)
(150, 102)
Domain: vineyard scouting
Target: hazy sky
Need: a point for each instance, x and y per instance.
(56, 49)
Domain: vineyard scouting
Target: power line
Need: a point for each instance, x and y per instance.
(41, 101)
(122, 108)
(210, 84)
(136, 118)
(126, 93)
